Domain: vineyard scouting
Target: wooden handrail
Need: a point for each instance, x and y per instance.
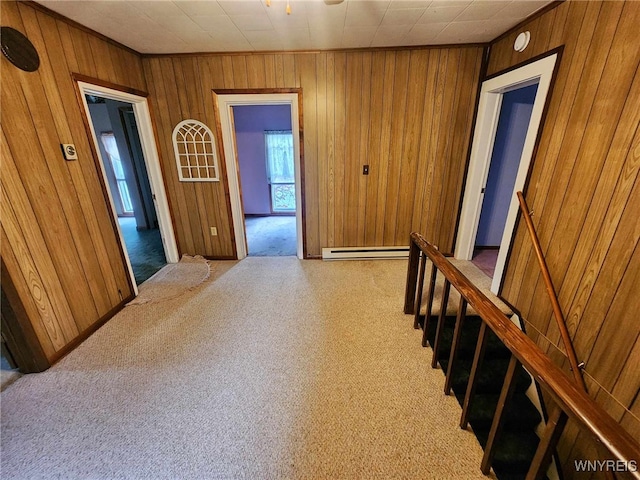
(567, 395)
(576, 368)
(557, 311)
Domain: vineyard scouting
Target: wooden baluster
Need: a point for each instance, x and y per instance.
(412, 276)
(547, 445)
(441, 321)
(418, 304)
(498, 418)
(457, 334)
(431, 291)
(572, 399)
(473, 375)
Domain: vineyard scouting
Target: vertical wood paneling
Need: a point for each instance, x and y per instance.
(85, 182)
(435, 167)
(419, 218)
(256, 71)
(227, 72)
(558, 111)
(374, 148)
(385, 142)
(352, 172)
(214, 196)
(240, 73)
(306, 67)
(40, 183)
(31, 259)
(445, 142)
(331, 149)
(363, 150)
(585, 193)
(270, 70)
(580, 122)
(401, 76)
(360, 108)
(465, 96)
(610, 196)
(340, 139)
(42, 108)
(416, 89)
(61, 250)
(102, 58)
(322, 167)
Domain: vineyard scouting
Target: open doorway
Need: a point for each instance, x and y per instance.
(120, 125)
(127, 179)
(513, 122)
(281, 189)
(265, 158)
(534, 80)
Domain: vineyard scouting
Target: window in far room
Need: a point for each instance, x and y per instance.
(280, 170)
(111, 147)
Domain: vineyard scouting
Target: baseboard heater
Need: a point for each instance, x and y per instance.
(364, 253)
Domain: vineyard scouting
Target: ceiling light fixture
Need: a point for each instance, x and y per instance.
(288, 9)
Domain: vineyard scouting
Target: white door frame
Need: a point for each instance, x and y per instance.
(540, 72)
(225, 104)
(152, 163)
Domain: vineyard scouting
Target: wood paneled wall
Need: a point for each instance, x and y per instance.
(585, 194)
(58, 242)
(406, 113)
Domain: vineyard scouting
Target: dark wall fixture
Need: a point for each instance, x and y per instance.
(19, 50)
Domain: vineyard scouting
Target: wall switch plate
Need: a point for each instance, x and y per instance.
(214, 231)
(69, 151)
(365, 169)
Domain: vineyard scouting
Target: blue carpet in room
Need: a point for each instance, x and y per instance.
(273, 236)
(144, 248)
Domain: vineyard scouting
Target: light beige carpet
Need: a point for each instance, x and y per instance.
(274, 369)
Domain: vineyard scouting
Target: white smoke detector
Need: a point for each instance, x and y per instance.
(522, 40)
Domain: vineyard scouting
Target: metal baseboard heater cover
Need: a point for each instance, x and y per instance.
(365, 253)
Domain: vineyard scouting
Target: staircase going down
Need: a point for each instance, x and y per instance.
(452, 328)
(518, 442)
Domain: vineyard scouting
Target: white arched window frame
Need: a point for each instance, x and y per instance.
(195, 150)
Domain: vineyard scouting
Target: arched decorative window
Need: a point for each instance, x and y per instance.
(195, 149)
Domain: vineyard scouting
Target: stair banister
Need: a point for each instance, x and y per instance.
(576, 368)
(568, 396)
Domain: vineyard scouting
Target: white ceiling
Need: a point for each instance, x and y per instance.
(182, 26)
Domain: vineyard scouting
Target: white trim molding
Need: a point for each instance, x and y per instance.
(152, 163)
(539, 72)
(226, 102)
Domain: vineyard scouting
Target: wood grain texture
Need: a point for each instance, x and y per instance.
(61, 249)
(360, 108)
(584, 190)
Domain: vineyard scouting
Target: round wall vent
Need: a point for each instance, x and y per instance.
(19, 50)
(522, 40)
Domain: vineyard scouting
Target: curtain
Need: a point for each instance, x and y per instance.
(111, 147)
(279, 153)
(280, 170)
